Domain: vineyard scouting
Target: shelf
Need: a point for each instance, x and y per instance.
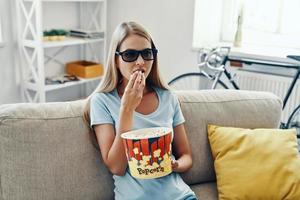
(35, 51)
(33, 86)
(67, 0)
(68, 84)
(69, 41)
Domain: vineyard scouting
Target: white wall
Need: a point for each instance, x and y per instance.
(9, 73)
(170, 22)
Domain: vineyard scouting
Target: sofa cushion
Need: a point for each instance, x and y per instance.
(255, 163)
(224, 107)
(206, 191)
(46, 153)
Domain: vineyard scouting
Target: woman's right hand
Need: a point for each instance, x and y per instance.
(133, 92)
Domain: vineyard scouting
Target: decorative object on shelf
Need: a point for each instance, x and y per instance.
(55, 35)
(92, 34)
(84, 69)
(238, 35)
(60, 79)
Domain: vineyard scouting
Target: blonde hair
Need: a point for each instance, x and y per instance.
(112, 76)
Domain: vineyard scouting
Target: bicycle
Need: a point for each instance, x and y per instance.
(216, 60)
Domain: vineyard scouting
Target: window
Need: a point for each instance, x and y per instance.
(267, 22)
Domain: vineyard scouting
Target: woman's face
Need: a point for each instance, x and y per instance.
(134, 42)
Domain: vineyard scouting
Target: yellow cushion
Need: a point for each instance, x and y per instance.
(254, 164)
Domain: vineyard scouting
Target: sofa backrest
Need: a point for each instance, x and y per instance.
(46, 151)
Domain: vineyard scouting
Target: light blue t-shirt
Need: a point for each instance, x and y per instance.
(105, 109)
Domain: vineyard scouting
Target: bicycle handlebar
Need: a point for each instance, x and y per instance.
(214, 59)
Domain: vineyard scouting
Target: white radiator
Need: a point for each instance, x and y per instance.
(273, 83)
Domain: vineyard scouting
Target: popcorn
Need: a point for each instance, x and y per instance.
(146, 133)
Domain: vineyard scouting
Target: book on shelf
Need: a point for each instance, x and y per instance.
(87, 33)
(60, 79)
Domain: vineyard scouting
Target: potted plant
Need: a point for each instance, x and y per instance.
(55, 35)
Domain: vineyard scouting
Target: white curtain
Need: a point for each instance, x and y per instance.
(207, 22)
(214, 22)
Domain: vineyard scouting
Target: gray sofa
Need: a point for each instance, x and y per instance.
(46, 151)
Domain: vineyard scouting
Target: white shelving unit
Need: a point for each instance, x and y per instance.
(34, 58)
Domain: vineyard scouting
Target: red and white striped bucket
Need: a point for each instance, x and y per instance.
(149, 152)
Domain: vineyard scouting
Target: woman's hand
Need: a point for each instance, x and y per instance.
(181, 150)
(175, 165)
(133, 92)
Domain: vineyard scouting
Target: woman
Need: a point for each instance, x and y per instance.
(132, 96)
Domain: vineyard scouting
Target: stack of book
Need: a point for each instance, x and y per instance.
(86, 33)
(60, 79)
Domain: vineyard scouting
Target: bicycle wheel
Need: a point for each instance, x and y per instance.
(294, 121)
(194, 81)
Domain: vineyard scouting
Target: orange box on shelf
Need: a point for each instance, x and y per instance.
(84, 69)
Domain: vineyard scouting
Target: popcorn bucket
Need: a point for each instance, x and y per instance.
(148, 152)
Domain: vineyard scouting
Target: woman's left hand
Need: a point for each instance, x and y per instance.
(175, 165)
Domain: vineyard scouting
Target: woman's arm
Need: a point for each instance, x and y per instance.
(110, 142)
(112, 149)
(182, 150)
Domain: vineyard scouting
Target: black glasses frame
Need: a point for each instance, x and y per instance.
(137, 54)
